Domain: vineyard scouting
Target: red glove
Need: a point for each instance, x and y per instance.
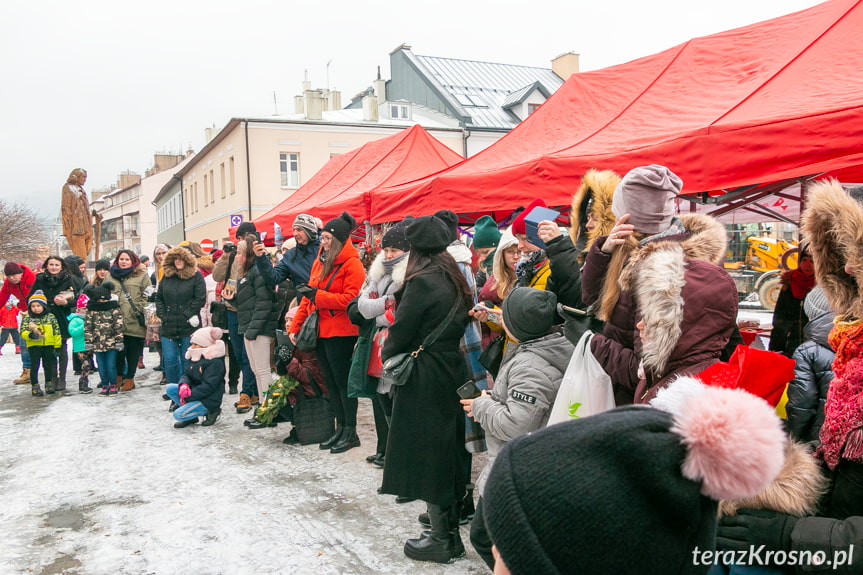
(390, 303)
(391, 317)
(184, 391)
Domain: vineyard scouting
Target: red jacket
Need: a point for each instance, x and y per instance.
(8, 317)
(333, 303)
(20, 291)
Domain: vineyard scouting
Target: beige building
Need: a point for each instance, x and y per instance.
(253, 164)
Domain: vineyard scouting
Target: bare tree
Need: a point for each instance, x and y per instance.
(22, 233)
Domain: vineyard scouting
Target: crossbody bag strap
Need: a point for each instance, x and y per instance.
(318, 391)
(128, 296)
(329, 283)
(432, 337)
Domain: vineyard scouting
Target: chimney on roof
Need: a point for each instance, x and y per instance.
(314, 103)
(370, 108)
(307, 85)
(335, 100)
(380, 87)
(565, 65)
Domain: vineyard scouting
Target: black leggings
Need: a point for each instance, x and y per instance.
(127, 360)
(334, 356)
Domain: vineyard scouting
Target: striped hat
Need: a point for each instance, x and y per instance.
(39, 296)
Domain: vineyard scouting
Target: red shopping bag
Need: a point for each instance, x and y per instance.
(375, 362)
(762, 373)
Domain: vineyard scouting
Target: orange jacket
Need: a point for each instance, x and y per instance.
(333, 304)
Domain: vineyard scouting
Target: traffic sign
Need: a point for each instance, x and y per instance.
(206, 245)
(236, 220)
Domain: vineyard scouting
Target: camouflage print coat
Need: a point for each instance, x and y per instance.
(103, 326)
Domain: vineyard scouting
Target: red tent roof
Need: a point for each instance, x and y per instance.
(344, 182)
(775, 100)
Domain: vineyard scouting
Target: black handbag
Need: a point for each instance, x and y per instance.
(307, 339)
(576, 322)
(313, 416)
(219, 314)
(492, 356)
(397, 369)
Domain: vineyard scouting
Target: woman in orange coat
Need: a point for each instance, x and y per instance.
(337, 277)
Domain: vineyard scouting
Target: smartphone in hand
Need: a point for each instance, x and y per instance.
(469, 390)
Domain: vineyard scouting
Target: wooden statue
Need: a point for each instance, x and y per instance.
(75, 213)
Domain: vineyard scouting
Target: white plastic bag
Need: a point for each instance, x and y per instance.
(585, 389)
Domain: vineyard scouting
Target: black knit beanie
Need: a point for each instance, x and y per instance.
(451, 220)
(395, 237)
(341, 227)
(428, 234)
(246, 228)
(557, 500)
(103, 265)
(529, 313)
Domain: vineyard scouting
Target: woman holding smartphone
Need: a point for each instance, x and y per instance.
(424, 452)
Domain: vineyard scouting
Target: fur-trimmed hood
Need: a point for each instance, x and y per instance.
(685, 299)
(214, 351)
(795, 491)
(189, 269)
(507, 240)
(598, 186)
(832, 225)
(376, 270)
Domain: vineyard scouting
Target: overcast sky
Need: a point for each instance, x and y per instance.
(104, 85)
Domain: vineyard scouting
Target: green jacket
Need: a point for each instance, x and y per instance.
(49, 327)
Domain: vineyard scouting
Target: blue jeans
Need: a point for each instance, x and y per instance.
(250, 386)
(174, 357)
(25, 356)
(190, 410)
(107, 364)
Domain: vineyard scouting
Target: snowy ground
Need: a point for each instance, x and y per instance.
(94, 485)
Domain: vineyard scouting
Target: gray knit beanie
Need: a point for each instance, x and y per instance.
(529, 313)
(647, 195)
(307, 224)
(815, 303)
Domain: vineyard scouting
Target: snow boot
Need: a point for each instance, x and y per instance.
(49, 388)
(36, 391)
(128, 385)
(112, 389)
(84, 388)
(211, 418)
(105, 390)
(435, 545)
(17, 350)
(244, 405)
(23, 378)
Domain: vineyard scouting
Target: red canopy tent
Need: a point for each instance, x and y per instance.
(344, 182)
(774, 101)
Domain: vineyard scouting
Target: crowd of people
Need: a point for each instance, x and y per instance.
(682, 465)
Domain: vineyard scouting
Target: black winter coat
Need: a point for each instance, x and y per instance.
(206, 377)
(788, 322)
(565, 278)
(257, 306)
(813, 373)
(426, 440)
(53, 285)
(177, 300)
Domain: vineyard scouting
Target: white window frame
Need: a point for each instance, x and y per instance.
(289, 169)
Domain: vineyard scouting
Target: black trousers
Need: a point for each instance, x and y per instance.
(43, 354)
(233, 362)
(127, 360)
(334, 356)
(479, 537)
(382, 407)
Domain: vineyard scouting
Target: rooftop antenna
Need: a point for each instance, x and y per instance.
(330, 61)
(275, 104)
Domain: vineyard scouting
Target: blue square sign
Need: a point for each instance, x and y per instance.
(236, 220)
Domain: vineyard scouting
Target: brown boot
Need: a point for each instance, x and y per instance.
(119, 380)
(255, 400)
(244, 405)
(128, 385)
(25, 377)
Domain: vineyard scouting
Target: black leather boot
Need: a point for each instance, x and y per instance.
(348, 440)
(187, 423)
(455, 514)
(328, 444)
(211, 418)
(435, 545)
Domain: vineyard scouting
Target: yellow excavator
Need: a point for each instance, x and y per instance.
(759, 273)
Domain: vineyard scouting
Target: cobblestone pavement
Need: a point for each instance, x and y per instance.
(94, 485)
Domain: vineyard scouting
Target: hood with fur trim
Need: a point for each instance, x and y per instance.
(376, 270)
(596, 186)
(832, 225)
(189, 269)
(214, 351)
(686, 300)
(795, 491)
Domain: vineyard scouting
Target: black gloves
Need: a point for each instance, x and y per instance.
(308, 292)
(755, 527)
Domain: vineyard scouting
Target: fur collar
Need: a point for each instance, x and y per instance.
(833, 224)
(376, 271)
(655, 273)
(212, 352)
(189, 269)
(795, 490)
(598, 186)
(460, 253)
